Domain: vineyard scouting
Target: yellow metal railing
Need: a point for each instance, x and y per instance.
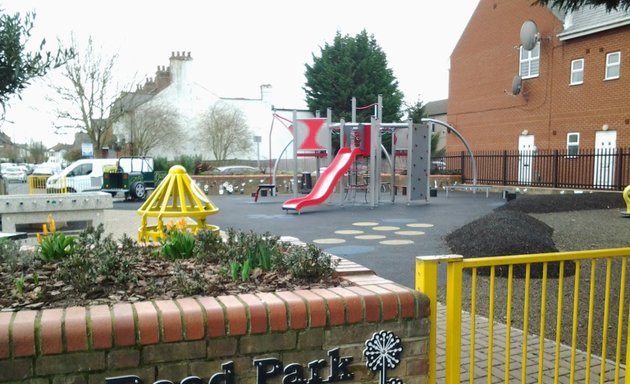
(520, 352)
(37, 184)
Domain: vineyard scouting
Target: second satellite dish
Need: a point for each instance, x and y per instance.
(529, 35)
(517, 85)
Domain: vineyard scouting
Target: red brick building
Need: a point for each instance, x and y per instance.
(575, 82)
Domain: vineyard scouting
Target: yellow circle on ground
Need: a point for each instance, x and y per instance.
(329, 241)
(370, 237)
(386, 228)
(396, 242)
(420, 225)
(410, 233)
(349, 232)
(365, 223)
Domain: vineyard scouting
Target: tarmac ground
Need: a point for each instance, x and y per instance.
(386, 238)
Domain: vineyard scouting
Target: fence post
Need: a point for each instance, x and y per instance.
(454, 269)
(619, 170)
(463, 166)
(505, 167)
(554, 172)
(427, 283)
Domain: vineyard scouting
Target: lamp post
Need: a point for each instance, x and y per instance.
(257, 140)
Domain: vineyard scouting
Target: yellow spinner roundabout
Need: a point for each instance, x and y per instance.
(176, 197)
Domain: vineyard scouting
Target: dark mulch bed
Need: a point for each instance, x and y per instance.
(542, 223)
(564, 202)
(509, 230)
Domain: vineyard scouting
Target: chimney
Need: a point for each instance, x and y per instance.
(162, 78)
(265, 93)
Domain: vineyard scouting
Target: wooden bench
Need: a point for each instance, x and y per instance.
(266, 187)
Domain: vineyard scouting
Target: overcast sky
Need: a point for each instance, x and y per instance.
(237, 45)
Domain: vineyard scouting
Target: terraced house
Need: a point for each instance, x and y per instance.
(567, 92)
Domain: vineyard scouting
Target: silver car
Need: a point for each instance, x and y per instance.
(14, 173)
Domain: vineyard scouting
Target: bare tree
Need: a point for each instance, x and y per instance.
(224, 130)
(151, 126)
(37, 152)
(88, 92)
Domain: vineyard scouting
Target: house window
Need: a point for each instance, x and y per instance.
(613, 65)
(573, 144)
(530, 62)
(577, 71)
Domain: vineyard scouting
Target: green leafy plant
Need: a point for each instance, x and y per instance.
(189, 282)
(247, 251)
(20, 283)
(209, 247)
(178, 243)
(54, 245)
(308, 262)
(99, 260)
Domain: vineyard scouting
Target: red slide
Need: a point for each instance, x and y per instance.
(327, 181)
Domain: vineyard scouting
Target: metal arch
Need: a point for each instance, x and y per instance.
(472, 157)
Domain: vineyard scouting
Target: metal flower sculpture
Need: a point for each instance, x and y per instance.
(382, 352)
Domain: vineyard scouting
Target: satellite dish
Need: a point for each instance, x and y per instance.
(517, 85)
(529, 35)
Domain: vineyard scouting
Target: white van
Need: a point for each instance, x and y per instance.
(82, 175)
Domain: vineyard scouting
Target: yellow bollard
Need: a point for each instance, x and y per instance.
(626, 197)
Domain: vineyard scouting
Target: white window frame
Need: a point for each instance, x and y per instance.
(528, 58)
(573, 145)
(575, 72)
(610, 64)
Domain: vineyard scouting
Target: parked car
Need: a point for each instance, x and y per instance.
(438, 165)
(235, 170)
(46, 169)
(14, 173)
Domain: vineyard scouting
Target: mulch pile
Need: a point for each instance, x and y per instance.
(564, 202)
(509, 230)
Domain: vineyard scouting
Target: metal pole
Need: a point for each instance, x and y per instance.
(341, 145)
(354, 109)
(295, 157)
(473, 162)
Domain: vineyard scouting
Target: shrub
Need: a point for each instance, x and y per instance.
(309, 262)
(209, 247)
(98, 260)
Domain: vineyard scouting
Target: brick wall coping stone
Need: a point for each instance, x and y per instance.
(35, 333)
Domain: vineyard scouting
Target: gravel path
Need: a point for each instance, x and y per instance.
(573, 230)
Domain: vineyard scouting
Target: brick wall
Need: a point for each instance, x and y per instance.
(173, 339)
(486, 59)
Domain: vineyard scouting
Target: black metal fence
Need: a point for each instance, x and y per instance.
(594, 169)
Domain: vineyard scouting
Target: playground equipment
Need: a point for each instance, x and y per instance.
(177, 196)
(360, 142)
(626, 198)
(326, 183)
(412, 141)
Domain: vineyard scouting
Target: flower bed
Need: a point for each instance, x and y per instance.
(318, 332)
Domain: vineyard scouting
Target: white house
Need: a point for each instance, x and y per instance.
(176, 86)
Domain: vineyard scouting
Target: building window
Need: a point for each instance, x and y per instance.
(613, 65)
(577, 71)
(530, 62)
(573, 144)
